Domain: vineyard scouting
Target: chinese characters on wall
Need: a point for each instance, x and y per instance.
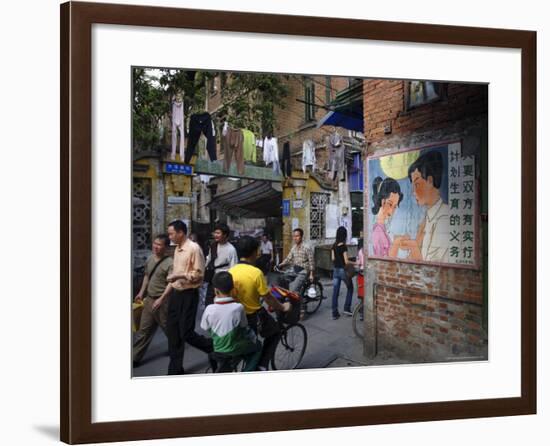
(462, 189)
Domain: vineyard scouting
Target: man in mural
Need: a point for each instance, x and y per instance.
(432, 240)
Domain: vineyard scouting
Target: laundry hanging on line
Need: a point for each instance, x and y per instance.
(286, 164)
(201, 123)
(271, 153)
(232, 140)
(336, 155)
(177, 125)
(308, 155)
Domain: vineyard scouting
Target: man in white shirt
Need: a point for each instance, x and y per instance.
(222, 257)
(432, 239)
(266, 254)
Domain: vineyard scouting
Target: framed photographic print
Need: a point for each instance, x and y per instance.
(241, 218)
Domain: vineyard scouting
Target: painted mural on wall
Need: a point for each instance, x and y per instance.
(422, 206)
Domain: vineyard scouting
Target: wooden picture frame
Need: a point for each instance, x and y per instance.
(76, 221)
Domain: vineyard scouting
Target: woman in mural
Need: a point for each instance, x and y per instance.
(339, 254)
(386, 196)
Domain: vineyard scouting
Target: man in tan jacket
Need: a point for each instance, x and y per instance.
(154, 294)
(186, 278)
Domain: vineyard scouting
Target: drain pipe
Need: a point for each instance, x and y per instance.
(369, 312)
(369, 303)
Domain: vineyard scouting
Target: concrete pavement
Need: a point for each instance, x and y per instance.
(331, 343)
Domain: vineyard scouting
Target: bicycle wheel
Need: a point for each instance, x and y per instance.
(290, 349)
(357, 321)
(311, 305)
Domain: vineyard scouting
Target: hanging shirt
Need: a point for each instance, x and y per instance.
(249, 146)
(177, 125)
(308, 155)
(336, 154)
(271, 153)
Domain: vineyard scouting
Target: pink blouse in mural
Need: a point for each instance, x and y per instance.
(380, 240)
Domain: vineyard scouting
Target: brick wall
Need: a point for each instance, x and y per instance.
(384, 103)
(290, 119)
(427, 313)
(290, 123)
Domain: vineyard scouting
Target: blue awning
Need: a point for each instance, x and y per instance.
(341, 120)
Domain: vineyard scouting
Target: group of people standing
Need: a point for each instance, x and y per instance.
(235, 288)
(234, 314)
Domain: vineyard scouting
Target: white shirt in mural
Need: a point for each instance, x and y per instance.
(435, 244)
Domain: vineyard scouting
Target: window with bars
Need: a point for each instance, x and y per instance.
(141, 222)
(318, 204)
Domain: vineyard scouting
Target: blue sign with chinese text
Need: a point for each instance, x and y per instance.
(179, 169)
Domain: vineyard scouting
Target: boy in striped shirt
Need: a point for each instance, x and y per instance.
(226, 322)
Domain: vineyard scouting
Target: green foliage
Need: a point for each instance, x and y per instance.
(149, 105)
(153, 94)
(248, 100)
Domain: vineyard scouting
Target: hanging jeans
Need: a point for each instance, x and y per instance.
(233, 147)
(339, 276)
(177, 125)
(286, 165)
(201, 123)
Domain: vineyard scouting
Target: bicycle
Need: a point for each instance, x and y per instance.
(232, 363)
(292, 343)
(288, 353)
(357, 320)
(311, 292)
(358, 312)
